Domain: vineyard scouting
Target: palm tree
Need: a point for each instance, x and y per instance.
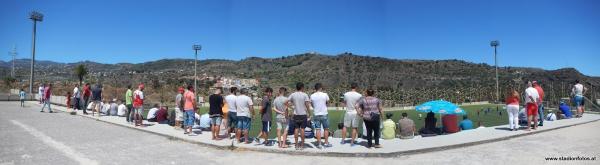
(80, 71)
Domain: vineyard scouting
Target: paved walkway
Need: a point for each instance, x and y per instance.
(395, 147)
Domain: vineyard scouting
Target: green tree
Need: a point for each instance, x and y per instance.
(80, 71)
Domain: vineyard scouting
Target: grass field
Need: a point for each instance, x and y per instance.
(493, 118)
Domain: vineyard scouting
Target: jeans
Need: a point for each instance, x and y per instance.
(128, 114)
(541, 113)
(244, 123)
(321, 121)
(189, 117)
(46, 102)
(85, 103)
(372, 128)
(513, 116)
(76, 105)
(233, 119)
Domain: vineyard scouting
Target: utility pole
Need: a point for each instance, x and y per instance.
(13, 53)
(495, 44)
(196, 49)
(35, 17)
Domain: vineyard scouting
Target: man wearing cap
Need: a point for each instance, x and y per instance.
(138, 104)
(536, 85)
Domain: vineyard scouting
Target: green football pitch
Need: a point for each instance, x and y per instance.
(495, 116)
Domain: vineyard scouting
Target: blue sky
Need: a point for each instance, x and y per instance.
(548, 34)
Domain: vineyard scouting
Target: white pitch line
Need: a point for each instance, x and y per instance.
(68, 151)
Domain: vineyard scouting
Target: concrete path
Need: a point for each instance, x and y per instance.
(392, 148)
(31, 137)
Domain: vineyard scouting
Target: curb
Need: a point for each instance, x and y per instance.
(232, 147)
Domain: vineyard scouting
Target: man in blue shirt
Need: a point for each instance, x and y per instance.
(466, 124)
(565, 109)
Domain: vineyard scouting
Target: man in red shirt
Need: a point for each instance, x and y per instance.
(86, 97)
(540, 91)
(162, 116)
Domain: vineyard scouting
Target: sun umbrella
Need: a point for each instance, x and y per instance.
(440, 107)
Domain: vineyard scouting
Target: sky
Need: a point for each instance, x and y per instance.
(548, 34)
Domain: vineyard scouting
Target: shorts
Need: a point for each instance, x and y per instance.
(233, 119)
(178, 114)
(299, 121)
(321, 121)
(216, 120)
(532, 109)
(190, 117)
(578, 100)
(266, 126)
(138, 110)
(351, 120)
(281, 122)
(244, 122)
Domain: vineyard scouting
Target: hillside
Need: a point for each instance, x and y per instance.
(404, 81)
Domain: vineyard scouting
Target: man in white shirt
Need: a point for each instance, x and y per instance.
(76, 98)
(232, 111)
(245, 111)
(41, 92)
(531, 101)
(351, 119)
(152, 113)
(113, 107)
(122, 110)
(577, 92)
(319, 102)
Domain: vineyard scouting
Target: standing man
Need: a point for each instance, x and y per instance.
(76, 98)
(97, 98)
(577, 92)
(22, 97)
(46, 99)
(351, 118)
(216, 113)
(138, 105)
(282, 117)
(41, 93)
(540, 91)
(231, 105)
(129, 104)
(319, 101)
(245, 111)
(301, 103)
(189, 107)
(266, 114)
(86, 97)
(531, 101)
(179, 102)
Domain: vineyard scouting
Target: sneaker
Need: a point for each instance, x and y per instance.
(327, 145)
(377, 146)
(343, 142)
(539, 125)
(42, 111)
(51, 112)
(318, 146)
(257, 140)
